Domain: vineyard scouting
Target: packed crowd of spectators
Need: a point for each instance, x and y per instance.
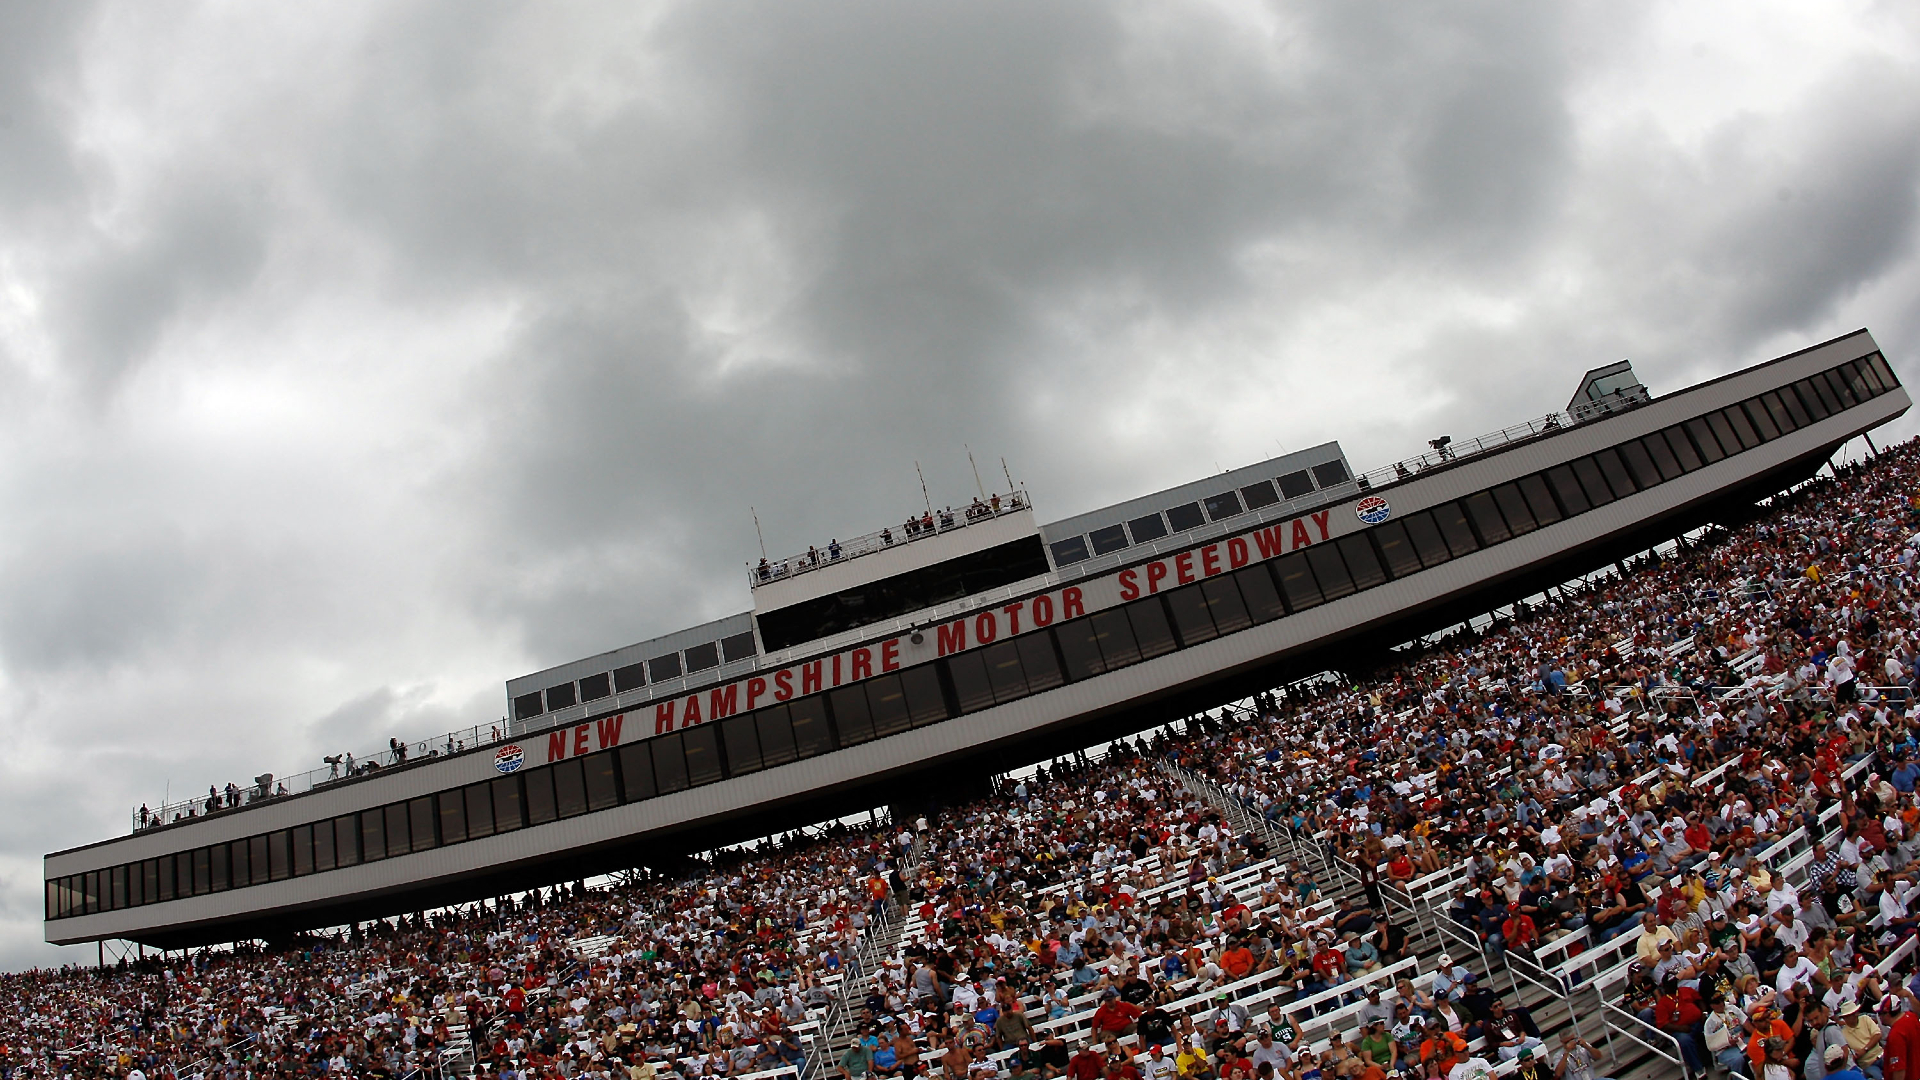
(1086, 918)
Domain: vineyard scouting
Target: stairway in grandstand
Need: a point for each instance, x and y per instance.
(881, 940)
(1561, 992)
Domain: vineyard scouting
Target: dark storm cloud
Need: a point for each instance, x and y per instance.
(360, 360)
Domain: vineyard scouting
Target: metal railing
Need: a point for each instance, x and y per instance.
(931, 524)
(1409, 468)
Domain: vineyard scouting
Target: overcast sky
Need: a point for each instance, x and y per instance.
(354, 360)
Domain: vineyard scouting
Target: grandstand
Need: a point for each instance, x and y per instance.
(1205, 872)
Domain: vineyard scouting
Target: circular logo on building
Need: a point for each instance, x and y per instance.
(1373, 510)
(510, 758)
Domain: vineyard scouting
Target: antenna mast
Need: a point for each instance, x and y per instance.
(982, 488)
(1008, 473)
(923, 487)
(758, 533)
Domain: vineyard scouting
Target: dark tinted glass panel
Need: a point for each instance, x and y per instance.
(1111, 538)
(1657, 450)
(1841, 390)
(1150, 628)
(703, 656)
(569, 788)
(509, 808)
(420, 821)
(169, 869)
(1591, 481)
(528, 705)
(631, 677)
(1761, 419)
(399, 836)
(741, 736)
(1114, 632)
(1513, 506)
(150, 878)
(1486, 517)
(347, 833)
(279, 855)
(1259, 495)
(1224, 505)
(1816, 392)
(1452, 519)
(1683, 449)
(776, 736)
(1296, 581)
(249, 861)
(703, 755)
(1228, 609)
(1615, 471)
(1724, 432)
(602, 791)
(970, 685)
(1539, 500)
(1081, 649)
(1069, 551)
(1329, 571)
(737, 647)
(925, 703)
(851, 716)
(1004, 672)
(669, 764)
(479, 802)
(1426, 538)
(1362, 563)
(1645, 473)
(595, 687)
(1331, 473)
(1776, 410)
(559, 697)
(1887, 378)
(92, 882)
(636, 772)
(1295, 484)
(664, 667)
(888, 701)
(1042, 668)
(323, 846)
(1705, 440)
(120, 876)
(1743, 429)
(1808, 402)
(1147, 528)
(203, 871)
(373, 836)
(1790, 402)
(1396, 549)
(810, 734)
(1864, 380)
(1185, 517)
(1261, 596)
(453, 815)
(1190, 616)
(540, 804)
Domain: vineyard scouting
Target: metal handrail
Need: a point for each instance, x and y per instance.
(931, 524)
(1409, 468)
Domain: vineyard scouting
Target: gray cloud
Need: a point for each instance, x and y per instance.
(358, 360)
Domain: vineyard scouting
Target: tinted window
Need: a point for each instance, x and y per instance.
(1682, 448)
(595, 687)
(453, 815)
(1295, 484)
(602, 792)
(1069, 551)
(528, 705)
(702, 657)
(810, 734)
(420, 821)
(1224, 603)
(1791, 405)
(1329, 571)
(1723, 430)
(1591, 482)
(1329, 474)
(1426, 538)
(1257, 589)
(1081, 649)
(1362, 563)
(664, 667)
(1818, 401)
(479, 800)
(776, 736)
(703, 755)
(541, 807)
(1776, 410)
(669, 764)
(373, 836)
(1539, 500)
(1396, 550)
(1705, 440)
(970, 683)
(1486, 517)
(1224, 505)
(1645, 475)
(1190, 616)
(1259, 495)
(1114, 632)
(1185, 517)
(1147, 528)
(559, 697)
(851, 715)
(509, 809)
(1452, 519)
(925, 701)
(1656, 448)
(1615, 471)
(1761, 419)
(346, 839)
(323, 847)
(738, 647)
(888, 701)
(636, 771)
(1004, 672)
(1841, 389)
(1296, 581)
(1887, 378)
(1150, 628)
(631, 677)
(741, 737)
(258, 860)
(1111, 538)
(862, 605)
(1513, 506)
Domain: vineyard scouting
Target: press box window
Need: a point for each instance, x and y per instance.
(1111, 538)
(1185, 517)
(1331, 473)
(1069, 551)
(559, 697)
(1147, 528)
(1224, 505)
(527, 705)
(1259, 495)
(595, 687)
(664, 667)
(737, 647)
(1296, 484)
(702, 657)
(631, 677)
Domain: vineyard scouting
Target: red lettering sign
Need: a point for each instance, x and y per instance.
(1236, 553)
(1300, 537)
(1071, 604)
(985, 628)
(580, 739)
(1320, 522)
(953, 636)
(663, 717)
(1183, 567)
(609, 732)
(723, 701)
(1156, 571)
(755, 688)
(890, 655)
(810, 678)
(1012, 612)
(1210, 560)
(1043, 610)
(862, 664)
(690, 715)
(782, 684)
(556, 745)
